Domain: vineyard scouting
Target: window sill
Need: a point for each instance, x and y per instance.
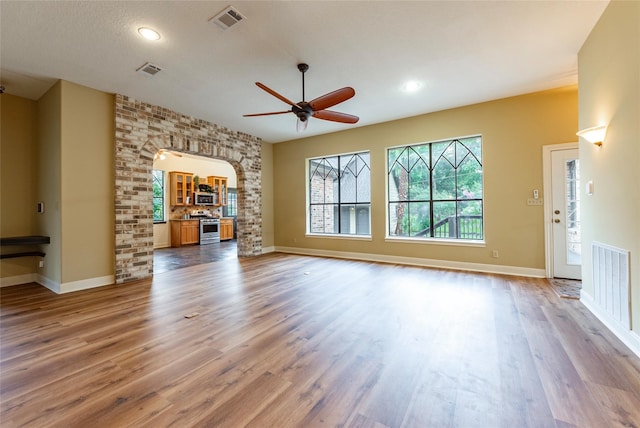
(437, 241)
(338, 236)
(160, 222)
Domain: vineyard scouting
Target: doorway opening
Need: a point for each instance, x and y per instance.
(193, 197)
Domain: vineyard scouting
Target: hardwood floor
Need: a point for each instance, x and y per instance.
(291, 341)
(165, 259)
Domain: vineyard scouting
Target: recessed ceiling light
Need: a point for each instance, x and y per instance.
(148, 33)
(411, 86)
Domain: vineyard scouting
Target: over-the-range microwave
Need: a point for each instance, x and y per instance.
(200, 198)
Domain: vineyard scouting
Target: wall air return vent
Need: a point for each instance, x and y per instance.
(227, 18)
(149, 69)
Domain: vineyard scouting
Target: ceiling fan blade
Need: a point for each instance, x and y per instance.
(332, 98)
(335, 116)
(275, 94)
(266, 114)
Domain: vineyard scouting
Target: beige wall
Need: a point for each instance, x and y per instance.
(48, 160)
(267, 197)
(87, 177)
(513, 130)
(609, 70)
(17, 177)
(74, 160)
(62, 155)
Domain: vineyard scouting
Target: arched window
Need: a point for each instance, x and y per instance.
(339, 195)
(435, 190)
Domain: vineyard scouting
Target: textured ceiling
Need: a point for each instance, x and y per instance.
(463, 52)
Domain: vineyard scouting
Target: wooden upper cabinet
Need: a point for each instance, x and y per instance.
(219, 186)
(181, 188)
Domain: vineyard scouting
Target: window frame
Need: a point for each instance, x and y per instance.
(231, 209)
(429, 239)
(163, 197)
(339, 235)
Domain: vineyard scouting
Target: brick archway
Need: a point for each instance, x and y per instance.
(141, 130)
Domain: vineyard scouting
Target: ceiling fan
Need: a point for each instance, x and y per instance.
(314, 108)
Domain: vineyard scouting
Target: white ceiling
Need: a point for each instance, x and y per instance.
(464, 52)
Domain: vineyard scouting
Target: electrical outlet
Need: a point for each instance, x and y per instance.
(41, 263)
(495, 254)
(533, 201)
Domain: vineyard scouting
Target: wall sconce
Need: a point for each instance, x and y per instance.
(594, 135)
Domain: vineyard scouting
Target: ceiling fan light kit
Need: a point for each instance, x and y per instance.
(314, 108)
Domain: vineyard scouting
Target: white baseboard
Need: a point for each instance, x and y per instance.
(266, 250)
(628, 337)
(415, 261)
(18, 279)
(69, 287)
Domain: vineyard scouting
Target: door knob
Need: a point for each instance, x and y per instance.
(557, 220)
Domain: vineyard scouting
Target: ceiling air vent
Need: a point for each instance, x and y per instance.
(227, 18)
(149, 69)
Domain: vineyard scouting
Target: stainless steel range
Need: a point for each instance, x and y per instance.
(209, 230)
(209, 226)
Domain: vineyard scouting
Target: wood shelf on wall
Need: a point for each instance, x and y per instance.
(24, 241)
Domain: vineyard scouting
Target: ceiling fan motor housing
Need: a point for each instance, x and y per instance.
(304, 111)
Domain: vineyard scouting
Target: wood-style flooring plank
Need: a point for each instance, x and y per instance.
(524, 402)
(568, 396)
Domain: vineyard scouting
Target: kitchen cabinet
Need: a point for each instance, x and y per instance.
(182, 188)
(219, 186)
(185, 232)
(226, 228)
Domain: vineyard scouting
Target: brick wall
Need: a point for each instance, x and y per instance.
(141, 130)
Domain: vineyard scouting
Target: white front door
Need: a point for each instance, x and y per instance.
(565, 214)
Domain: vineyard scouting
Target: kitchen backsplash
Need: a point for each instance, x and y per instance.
(178, 212)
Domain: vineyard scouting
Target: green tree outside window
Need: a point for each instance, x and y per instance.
(158, 195)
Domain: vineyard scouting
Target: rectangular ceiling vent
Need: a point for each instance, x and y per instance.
(227, 18)
(149, 69)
